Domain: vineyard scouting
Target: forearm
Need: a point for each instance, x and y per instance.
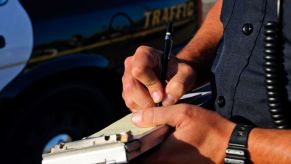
(199, 51)
(270, 146)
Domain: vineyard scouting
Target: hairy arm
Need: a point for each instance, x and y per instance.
(200, 50)
(270, 146)
(202, 136)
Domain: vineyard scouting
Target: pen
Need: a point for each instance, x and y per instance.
(166, 56)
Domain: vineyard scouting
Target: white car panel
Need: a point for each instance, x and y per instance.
(16, 28)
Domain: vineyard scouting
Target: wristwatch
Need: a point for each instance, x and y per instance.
(237, 152)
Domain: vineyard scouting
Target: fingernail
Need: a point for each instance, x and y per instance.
(157, 97)
(136, 117)
(169, 100)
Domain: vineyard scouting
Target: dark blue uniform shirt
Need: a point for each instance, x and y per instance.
(238, 67)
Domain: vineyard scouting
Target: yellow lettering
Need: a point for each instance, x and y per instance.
(147, 19)
(185, 11)
(190, 9)
(156, 17)
(165, 16)
(172, 13)
(179, 11)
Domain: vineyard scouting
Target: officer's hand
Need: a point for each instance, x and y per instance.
(141, 85)
(200, 136)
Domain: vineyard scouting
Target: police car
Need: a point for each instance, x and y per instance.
(61, 63)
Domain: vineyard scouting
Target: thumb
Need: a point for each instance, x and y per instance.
(156, 116)
(180, 83)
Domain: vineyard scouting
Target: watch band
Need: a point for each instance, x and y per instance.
(236, 152)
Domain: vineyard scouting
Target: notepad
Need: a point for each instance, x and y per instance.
(124, 125)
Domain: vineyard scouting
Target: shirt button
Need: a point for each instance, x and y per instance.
(220, 101)
(247, 29)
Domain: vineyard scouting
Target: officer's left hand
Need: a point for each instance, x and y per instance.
(200, 136)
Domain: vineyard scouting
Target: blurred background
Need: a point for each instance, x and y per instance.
(61, 63)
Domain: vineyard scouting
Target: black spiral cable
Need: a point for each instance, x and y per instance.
(275, 76)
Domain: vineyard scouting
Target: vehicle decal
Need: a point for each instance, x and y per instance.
(16, 29)
(85, 27)
(52, 53)
(161, 16)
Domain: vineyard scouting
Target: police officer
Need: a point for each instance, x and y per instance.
(231, 39)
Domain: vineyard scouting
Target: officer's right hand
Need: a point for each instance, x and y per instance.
(141, 85)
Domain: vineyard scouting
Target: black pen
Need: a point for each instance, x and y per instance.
(166, 56)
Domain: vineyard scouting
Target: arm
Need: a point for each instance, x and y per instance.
(200, 50)
(270, 146)
(201, 136)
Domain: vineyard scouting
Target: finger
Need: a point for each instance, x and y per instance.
(133, 93)
(131, 105)
(179, 84)
(172, 115)
(136, 97)
(145, 63)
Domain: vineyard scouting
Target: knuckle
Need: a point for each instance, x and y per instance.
(185, 112)
(148, 104)
(147, 54)
(127, 91)
(124, 96)
(123, 79)
(177, 88)
(137, 71)
(127, 87)
(186, 69)
(127, 61)
(142, 50)
(130, 104)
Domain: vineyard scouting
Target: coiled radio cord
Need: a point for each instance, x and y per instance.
(275, 75)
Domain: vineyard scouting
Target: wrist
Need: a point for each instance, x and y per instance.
(224, 136)
(237, 149)
(218, 139)
(198, 59)
(188, 54)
